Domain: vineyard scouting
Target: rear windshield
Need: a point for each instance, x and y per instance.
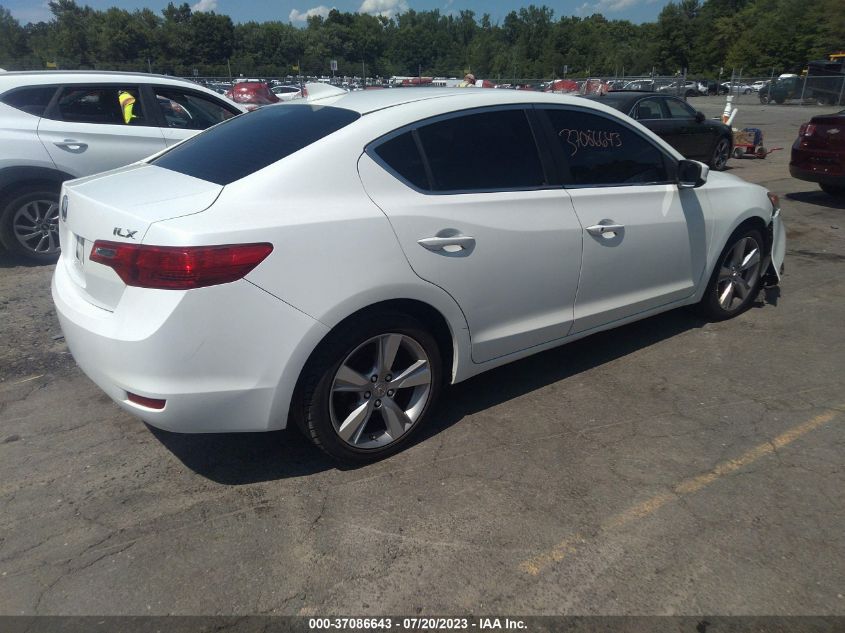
(247, 143)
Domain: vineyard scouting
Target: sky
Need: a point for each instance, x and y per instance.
(297, 11)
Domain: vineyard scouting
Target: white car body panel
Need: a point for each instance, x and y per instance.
(517, 285)
(342, 248)
(19, 142)
(655, 260)
(80, 149)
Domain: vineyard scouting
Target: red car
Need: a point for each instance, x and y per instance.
(818, 154)
(252, 94)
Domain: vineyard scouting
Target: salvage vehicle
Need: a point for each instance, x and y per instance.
(353, 256)
(676, 122)
(818, 154)
(59, 125)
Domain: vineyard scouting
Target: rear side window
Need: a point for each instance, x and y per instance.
(32, 100)
(482, 151)
(402, 156)
(252, 141)
(600, 151)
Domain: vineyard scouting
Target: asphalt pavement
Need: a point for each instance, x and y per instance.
(672, 466)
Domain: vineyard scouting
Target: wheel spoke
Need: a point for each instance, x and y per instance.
(396, 419)
(28, 210)
(724, 274)
(388, 345)
(348, 379)
(727, 296)
(414, 376)
(742, 288)
(38, 248)
(352, 427)
(752, 259)
(737, 253)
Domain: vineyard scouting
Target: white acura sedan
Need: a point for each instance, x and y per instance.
(334, 264)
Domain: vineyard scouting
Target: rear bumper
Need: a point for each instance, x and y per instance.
(225, 358)
(826, 167)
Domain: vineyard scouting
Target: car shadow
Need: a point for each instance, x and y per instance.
(818, 198)
(10, 260)
(245, 458)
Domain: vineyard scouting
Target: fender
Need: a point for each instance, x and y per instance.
(10, 176)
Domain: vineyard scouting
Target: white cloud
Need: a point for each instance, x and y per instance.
(387, 8)
(605, 6)
(302, 16)
(204, 6)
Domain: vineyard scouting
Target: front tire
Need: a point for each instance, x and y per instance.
(29, 224)
(370, 386)
(721, 153)
(736, 280)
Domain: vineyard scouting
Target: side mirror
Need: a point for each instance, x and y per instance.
(691, 174)
(699, 117)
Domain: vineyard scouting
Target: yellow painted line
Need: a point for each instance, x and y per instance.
(538, 563)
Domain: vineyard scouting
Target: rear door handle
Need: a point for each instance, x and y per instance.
(72, 145)
(441, 243)
(604, 229)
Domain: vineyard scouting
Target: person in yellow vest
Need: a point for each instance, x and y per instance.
(127, 102)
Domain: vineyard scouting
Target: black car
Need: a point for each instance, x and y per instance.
(672, 119)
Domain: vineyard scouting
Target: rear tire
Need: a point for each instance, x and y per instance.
(831, 190)
(369, 387)
(29, 223)
(736, 278)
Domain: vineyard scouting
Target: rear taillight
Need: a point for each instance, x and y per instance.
(179, 267)
(808, 129)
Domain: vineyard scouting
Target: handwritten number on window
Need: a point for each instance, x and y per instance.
(590, 139)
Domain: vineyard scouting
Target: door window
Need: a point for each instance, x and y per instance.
(486, 151)
(648, 109)
(112, 105)
(600, 151)
(679, 110)
(189, 111)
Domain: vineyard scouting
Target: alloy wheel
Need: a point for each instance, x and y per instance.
(36, 226)
(721, 154)
(738, 274)
(380, 390)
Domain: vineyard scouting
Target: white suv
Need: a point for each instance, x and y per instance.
(60, 125)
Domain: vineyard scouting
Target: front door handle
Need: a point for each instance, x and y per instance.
(450, 244)
(71, 145)
(604, 230)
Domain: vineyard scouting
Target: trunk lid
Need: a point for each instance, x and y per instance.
(824, 132)
(120, 206)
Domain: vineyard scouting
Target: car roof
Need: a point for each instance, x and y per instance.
(37, 77)
(17, 79)
(367, 101)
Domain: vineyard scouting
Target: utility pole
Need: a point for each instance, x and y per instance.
(149, 66)
(229, 66)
